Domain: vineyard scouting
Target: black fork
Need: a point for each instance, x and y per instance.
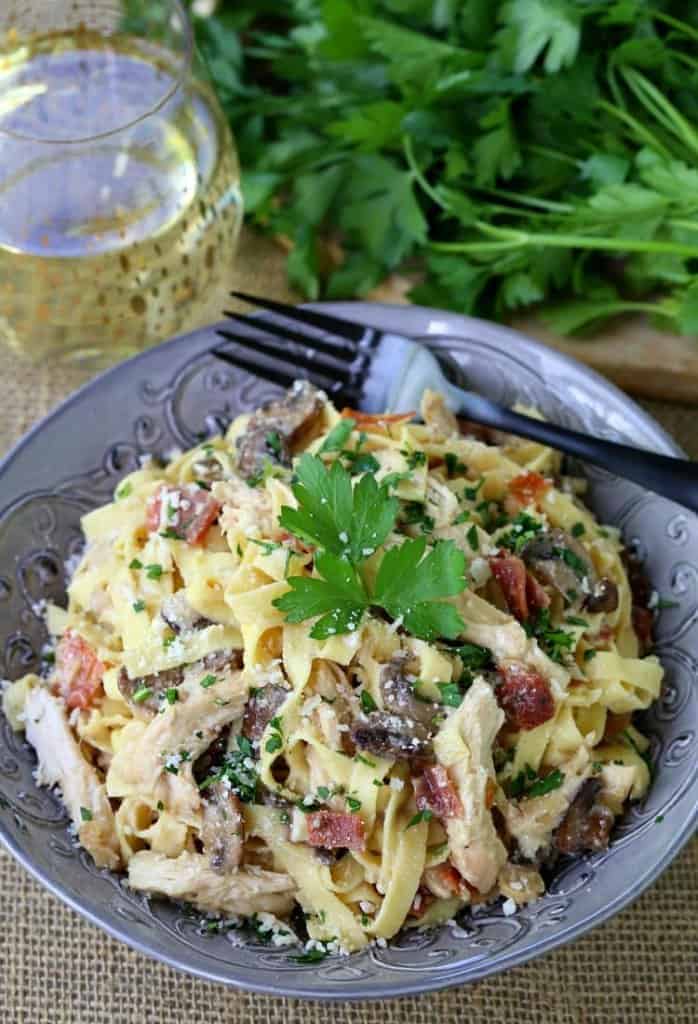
(333, 354)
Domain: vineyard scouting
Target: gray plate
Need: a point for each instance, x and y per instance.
(166, 397)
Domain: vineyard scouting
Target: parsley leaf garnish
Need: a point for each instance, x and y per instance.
(348, 525)
(346, 521)
(418, 818)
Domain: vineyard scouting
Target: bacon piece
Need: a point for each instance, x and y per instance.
(522, 591)
(378, 422)
(435, 792)
(191, 510)
(528, 488)
(536, 596)
(336, 829)
(78, 671)
(524, 696)
(510, 574)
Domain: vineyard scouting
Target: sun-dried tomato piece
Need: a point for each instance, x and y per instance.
(335, 829)
(78, 672)
(434, 791)
(524, 695)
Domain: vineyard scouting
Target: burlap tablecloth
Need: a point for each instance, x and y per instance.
(640, 968)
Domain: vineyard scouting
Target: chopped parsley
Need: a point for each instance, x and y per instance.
(454, 465)
(414, 458)
(664, 602)
(153, 571)
(451, 694)
(591, 653)
(353, 804)
(523, 529)
(123, 491)
(578, 530)
(160, 805)
(172, 695)
(415, 514)
(313, 956)
(418, 818)
(472, 537)
(575, 620)
(239, 770)
(528, 784)
(556, 643)
(470, 493)
(267, 545)
(170, 533)
(577, 564)
(138, 606)
(368, 704)
(85, 814)
(135, 563)
(275, 741)
(338, 436)
(273, 442)
(142, 694)
(209, 680)
(364, 760)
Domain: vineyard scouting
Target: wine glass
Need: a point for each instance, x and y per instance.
(120, 203)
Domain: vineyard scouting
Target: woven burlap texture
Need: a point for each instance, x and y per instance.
(55, 968)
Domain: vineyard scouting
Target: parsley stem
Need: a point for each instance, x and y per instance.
(521, 239)
(419, 177)
(642, 133)
(682, 26)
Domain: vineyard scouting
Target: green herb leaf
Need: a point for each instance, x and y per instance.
(138, 606)
(209, 680)
(368, 704)
(85, 814)
(338, 436)
(153, 571)
(135, 564)
(142, 694)
(418, 818)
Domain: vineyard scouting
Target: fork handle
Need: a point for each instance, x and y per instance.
(671, 477)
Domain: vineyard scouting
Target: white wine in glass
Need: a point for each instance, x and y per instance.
(120, 203)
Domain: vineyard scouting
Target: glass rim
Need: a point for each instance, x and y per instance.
(185, 64)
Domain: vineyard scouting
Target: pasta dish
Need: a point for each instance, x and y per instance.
(331, 675)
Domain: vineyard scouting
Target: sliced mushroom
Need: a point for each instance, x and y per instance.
(180, 616)
(222, 832)
(559, 560)
(158, 682)
(391, 736)
(603, 597)
(271, 428)
(397, 690)
(261, 708)
(587, 824)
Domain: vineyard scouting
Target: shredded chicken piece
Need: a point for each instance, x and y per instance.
(437, 415)
(159, 760)
(190, 877)
(464, 746)
(62, 764)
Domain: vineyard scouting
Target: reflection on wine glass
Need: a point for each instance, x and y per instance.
(119, 194)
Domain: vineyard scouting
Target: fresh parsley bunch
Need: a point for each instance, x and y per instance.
(347, 523)
(508, 153)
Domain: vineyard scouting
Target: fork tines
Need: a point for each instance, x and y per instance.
(333, 360)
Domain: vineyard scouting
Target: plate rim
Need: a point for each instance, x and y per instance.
(450, 324)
